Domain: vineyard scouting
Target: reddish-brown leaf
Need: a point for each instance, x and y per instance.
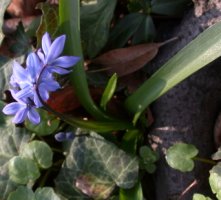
(65, 99)
(125, 61)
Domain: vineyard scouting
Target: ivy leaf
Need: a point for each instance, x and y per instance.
(94, 166)
(200, 197)
(180, 155)
(21, 42)
(148, 158)
(11, 141)
(48, 125)
(215, 180)
(23, 170)
(46, 193)
(118, 36)
(169, 7)
(38, 151)
(22, 193)
(95, 23)
(49, 21)
(3, 5)
(5, 74)
(146, 31)
(217, 155)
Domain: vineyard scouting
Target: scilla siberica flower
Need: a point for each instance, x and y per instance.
(37, 78)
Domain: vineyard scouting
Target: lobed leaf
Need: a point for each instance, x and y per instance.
(49, 21)
(11, 141)
(22, 193)
(119, 36)
(215, 180)
(38, 151)
(169, 7)
(95, 23)
(48, 124)
(200, 197)
(180, 155)
(94, 166)
(3, 5)
(23, 170)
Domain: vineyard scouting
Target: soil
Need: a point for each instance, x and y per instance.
(188, 112)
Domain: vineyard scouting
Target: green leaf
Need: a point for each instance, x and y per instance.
(146, 31)
(5, 74)
(217, 155)
(200, 197)
(11, 141)
(132, 194)
(180, 155)
(215, 180)
(119, 36)
(69, 20)
(46, 193)
(95, 24)
(3, 5)
(134, 5)
(201, 51)
(48, 125)
(129, 141)
(109, 91)
(169, 7)
(38, 151)
(148, 158)
(94, 166)
(22, 193)
(23, 170)
(21, 43)
(49, 21)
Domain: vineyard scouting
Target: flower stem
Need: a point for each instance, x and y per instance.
(205, 160)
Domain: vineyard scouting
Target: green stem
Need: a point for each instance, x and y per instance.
(204, 160)
(69, 17)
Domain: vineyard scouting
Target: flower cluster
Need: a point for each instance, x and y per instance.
(37, 79)
(64, 136)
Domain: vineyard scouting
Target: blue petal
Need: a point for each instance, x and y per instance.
(19, 73)
(51, 85)
(58, 70)
(69, 135)
(60, 137)
(41, 55)
(33, 65)
(11, 108)
(25, 92)
(46, 43)
(37, 101)
(34, 116)
(65, 61)
(56, 49)
(43, 92)
(20, 115)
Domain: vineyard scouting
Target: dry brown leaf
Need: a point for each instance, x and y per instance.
(125, 61)
(23, 8)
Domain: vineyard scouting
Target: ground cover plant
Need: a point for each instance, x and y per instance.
(71, 127)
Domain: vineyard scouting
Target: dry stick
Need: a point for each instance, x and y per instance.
(190, 187)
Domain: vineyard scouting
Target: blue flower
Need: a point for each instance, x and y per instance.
(28, 79)
(64, 136)
(50, 55)
(22, 109)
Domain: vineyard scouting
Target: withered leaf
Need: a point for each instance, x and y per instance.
(125, 61)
